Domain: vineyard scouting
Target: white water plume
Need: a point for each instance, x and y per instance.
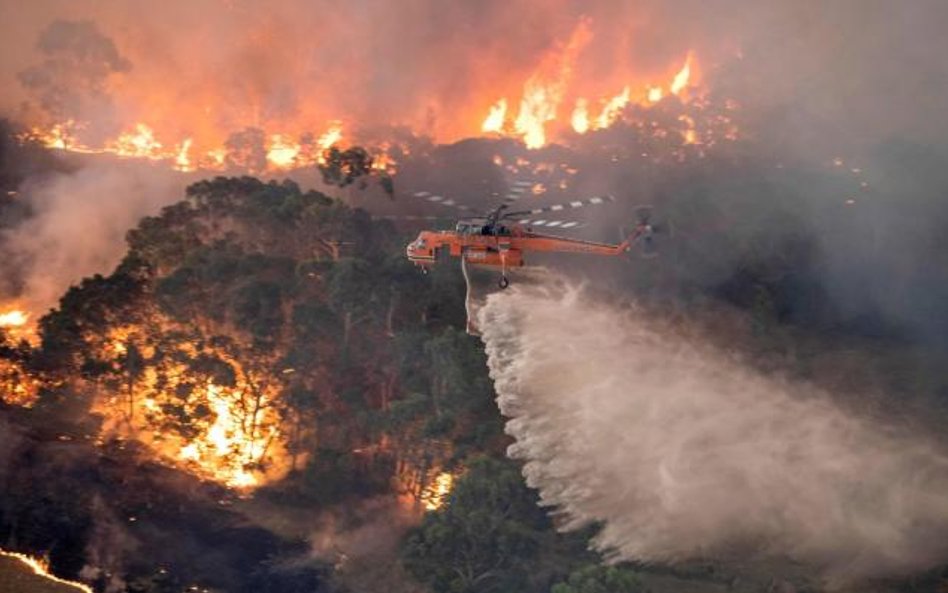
(680, 451)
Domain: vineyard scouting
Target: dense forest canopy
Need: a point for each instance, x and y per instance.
(264, 337)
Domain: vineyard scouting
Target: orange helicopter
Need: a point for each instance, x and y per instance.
(501, 238)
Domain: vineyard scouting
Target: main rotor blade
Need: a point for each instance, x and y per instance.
(442, 200)
(560, 224)
(594, 201)
(518, 189)
(411, 217)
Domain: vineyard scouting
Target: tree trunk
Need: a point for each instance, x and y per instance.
(438, 389)
(251, 433)
(388, 389)
(130, 389)
(347, 328)
(390, 316)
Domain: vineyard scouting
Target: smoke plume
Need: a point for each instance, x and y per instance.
(78, 226)
(77, 59)
(681, 451)
(202, 68)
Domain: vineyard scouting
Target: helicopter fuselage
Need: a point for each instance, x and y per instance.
(500, 246)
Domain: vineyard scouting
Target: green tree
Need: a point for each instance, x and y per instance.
(345, 167)
(601, 579)
(485, 537)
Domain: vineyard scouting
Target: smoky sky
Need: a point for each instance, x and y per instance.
(865, 69)
(77, 59)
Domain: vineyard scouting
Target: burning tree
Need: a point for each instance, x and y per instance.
(247, 334)
(18, 385)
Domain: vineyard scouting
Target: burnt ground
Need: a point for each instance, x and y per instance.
(100, 510)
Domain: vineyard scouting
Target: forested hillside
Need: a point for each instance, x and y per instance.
(270, 340)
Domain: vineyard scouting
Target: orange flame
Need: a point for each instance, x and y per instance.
(494, 122)
(332, 136)
(17, 323)
(17, 387)
(233, 434)
(41, 568)
(543, 92)
(182, 162)
(282, 152)
(227, 450)
(138, 144)
(537, 107)
(681, 79)
(225, 439)
(436, 494)
(383, 161)
(14, 318)
(580, 118)
(194, 138)
(613, 109)
(690, 134)
(216, 158)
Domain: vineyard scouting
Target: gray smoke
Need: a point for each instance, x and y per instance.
(681, 451)
(860, 68)
(79, 225)
(70, 79)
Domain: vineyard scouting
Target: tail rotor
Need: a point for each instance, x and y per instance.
(648, 235)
